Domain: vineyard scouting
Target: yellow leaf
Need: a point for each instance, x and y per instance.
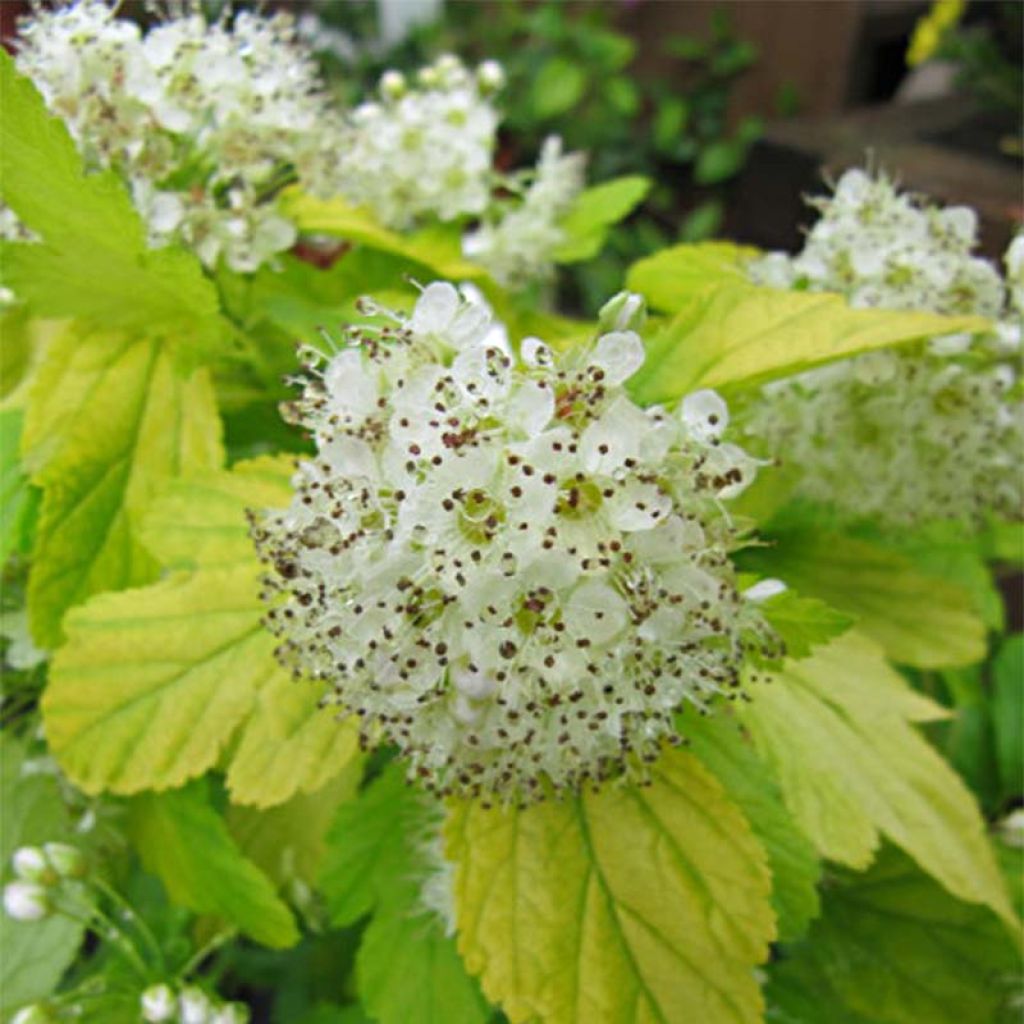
(632, 905)
(836, 729)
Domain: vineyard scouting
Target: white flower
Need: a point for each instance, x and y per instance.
(504, 566)
(36, 1013)
(31, 865)
(158, 1003)
(195, 1006)
(26, 901)
(230, 1013)
(421, 151)
(930, 432)
(519, 245)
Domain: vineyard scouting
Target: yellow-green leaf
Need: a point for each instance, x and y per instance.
(152, 683)
(668, 279)
(633, 905)
(289, 744)
(592, 214)
(836, 729)
(734, 334)
(181, 838)
(109, 418)
(920, 620)
(200, 520)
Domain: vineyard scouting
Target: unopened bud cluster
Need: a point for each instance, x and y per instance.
(929, 432)
(501, 564)
(162, 1004)
(39, 870)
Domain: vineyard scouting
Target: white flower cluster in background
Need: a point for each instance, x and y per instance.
(517, 245)
(201, 118)
(499, 562)
(927, 433)
(425, 148)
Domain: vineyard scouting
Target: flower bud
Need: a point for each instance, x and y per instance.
(36, 1013)
(26, 901)
(392, 85)
(194, 1007)
(231, 1013)
(490, 76)
(31, 865)
(428, 77)
(623, 312)
(65, 859)
(158, 1003)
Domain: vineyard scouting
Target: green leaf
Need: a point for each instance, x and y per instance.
(152, 683)
(803, 622)
(720, 160)
(200, 520)
(892, 947)
(288, 842)
(731, 758)
(181, 838)
(836, 729)
(558, 87)
(635, 904)
(920, 620)
(1008, 714)
(732, 334)
(18, 498)
(407, 968)
(109, 418)
(94, 261)
(593, 212)
(289, 744)
(33, 954)
(669, 278)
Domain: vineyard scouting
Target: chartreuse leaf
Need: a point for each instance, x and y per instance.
(200, 520)
(18, 498)
(920, 620)
(109, 418)
(892, 947)
(669, 278)
(33, 954)
(181, 838)
(836, 730)
(720, 745)
(635, 904)
(437, 250)
(803, 622)
(1008, 714)
(593, 213)
(407, 968)
(93, 261)
(730, 333)
(152, 683)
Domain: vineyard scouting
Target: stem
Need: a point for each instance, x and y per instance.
(204, 951)
(130, 914)
(108, 930)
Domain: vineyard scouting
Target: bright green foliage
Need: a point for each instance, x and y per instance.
(200, 520)
(730, 756)
(727, 333)
(836, 730)
(593, 214)
(920, 620)
(803, 622)
(289, 744)
(94, 261)
(181, 838)
(632, 905)
(152, 683)
(289, 841)
(892, 947)
(110, 418)
(670, 278)
(1008, 715)
(33, 954)
(407, 968)
(18, 498)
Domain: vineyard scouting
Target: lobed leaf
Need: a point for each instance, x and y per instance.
(635, 904)
(836, 730)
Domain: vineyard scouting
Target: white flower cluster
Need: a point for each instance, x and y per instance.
(500, 563)
(517, 246)
(160, 1004)
(927, 433)
(202, 118)
(424, 149)
(39, 870)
